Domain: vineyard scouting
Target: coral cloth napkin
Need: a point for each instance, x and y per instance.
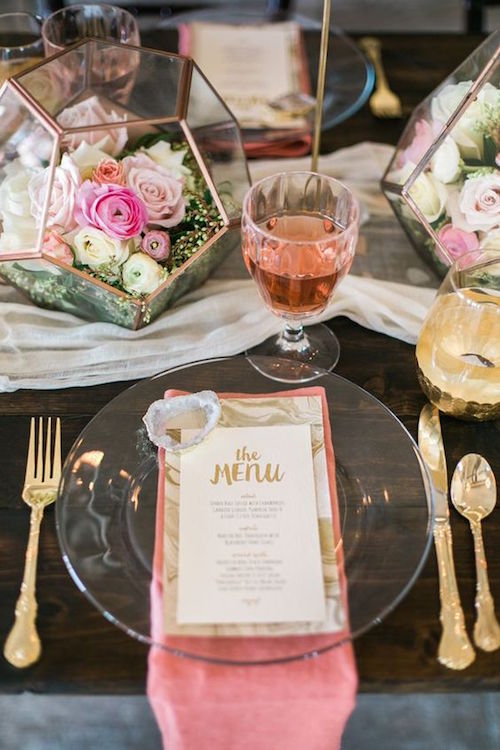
(204, 706)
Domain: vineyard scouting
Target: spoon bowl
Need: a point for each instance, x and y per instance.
(474, 495)
(473, 487)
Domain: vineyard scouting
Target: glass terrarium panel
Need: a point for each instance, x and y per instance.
(58, 82)
(147, 84)
(49, 285)
(126, 214)
(447, 164)
(218, 140)
(193, 275)
(26, 148)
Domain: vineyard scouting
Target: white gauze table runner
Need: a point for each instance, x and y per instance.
(45, 349)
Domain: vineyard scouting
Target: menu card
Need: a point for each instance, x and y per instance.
(247, 504)
(260, 71)
(204, 581)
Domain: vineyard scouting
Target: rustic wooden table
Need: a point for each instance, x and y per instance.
(83, 653)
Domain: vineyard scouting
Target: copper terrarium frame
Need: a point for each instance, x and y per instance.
(226, 234)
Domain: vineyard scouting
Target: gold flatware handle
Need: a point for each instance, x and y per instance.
(23, 646)
(371, 48)
(486, 628)
(455, 649)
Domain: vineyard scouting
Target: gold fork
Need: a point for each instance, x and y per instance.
(384, 102)
(41, 480)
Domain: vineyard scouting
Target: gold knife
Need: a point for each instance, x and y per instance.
(455, 649)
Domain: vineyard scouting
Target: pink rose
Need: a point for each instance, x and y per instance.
(91, 112)
(456, 241)
(114, 209)
(161, 193)
(108, 171)
(66, 182)
(479, 201)
(421, 143)
(54, 245)
(156, 244)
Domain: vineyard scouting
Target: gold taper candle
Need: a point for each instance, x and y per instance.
(320, 89)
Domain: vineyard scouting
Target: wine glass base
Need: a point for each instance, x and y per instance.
(296, 361)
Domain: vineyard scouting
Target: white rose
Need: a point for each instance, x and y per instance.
(479, 201)
(18, 225)
(163, 155)
(444, 104)
(141, 274)
(491, 242)
(87, 156)
(445, 164)
(94, 248)
(466, 132)
(36, 148)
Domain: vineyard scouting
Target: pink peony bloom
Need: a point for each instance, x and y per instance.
(114, 209)
(161, 192)
(66, 183)
(91, 112)
(156, 244)
(421, 143)
(479, 201)
(56, 246)
(457, 242)
(108, 172)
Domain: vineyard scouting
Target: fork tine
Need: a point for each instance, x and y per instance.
(48, 457)
(56, 469)
(30, 463)
(39, 462)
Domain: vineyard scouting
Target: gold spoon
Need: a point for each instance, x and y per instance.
(474, 495)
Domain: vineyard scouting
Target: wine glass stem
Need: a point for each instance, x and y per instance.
(293, 334)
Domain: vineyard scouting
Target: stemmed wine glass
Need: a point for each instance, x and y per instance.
(20, 42)
(76, 22)
(299, 236)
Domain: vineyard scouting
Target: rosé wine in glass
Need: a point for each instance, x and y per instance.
(299, 235)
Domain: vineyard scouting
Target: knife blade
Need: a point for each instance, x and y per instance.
(455, 649)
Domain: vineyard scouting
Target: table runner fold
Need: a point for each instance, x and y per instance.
(46, 349)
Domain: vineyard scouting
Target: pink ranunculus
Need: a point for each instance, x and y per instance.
(109, 172)
(66, 183)
(90, 111)
(422, 141)
(156, 244)
(161, 192)
(114, 209)
(457, 242)
(57, 247)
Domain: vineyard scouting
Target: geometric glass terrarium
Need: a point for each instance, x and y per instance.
(443, 182)
(122, 175)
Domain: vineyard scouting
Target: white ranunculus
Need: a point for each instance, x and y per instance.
(94, 248)
(163, 154)
(87, 156)
(445, 164)
(467, 134)
(141, 274)
(18, 225)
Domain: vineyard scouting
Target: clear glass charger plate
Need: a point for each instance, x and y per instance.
(349, 75)
(106, 509)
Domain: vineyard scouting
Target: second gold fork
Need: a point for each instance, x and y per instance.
(41, 481)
